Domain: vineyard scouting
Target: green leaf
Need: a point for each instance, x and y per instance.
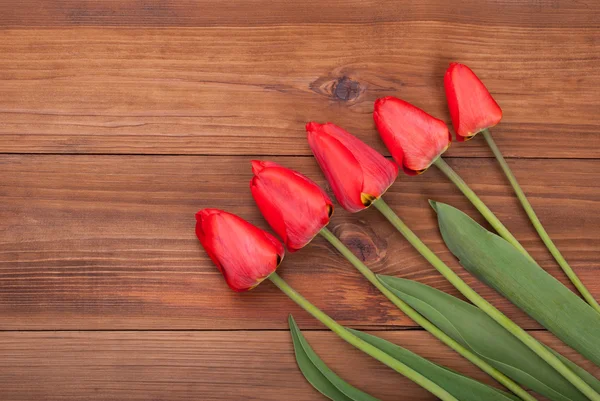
(579, 371)
(523, 282)
(318, 374)
(462, 387)
(478, 332)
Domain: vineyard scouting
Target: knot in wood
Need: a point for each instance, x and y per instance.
(347, 89)
(363, 242)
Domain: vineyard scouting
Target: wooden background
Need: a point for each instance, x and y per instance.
(120, 119)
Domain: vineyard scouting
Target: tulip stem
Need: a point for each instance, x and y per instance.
(484, 305)
(422, 321)
(359, 343)
(480, 206)
(537, 224)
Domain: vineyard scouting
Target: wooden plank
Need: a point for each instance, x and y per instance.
(206, 366)
(250, 90)
(107, 242)
(543, 13)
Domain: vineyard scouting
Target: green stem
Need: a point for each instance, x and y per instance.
(422, 321)
(479, 205)
(362, 345)
(538, 225)
(484, 305)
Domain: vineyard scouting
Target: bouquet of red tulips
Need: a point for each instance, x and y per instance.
(298, 210)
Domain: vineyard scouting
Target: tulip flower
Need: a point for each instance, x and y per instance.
(293, 205)
(358, 173)
(450, 275)
(473, 110)
(246, 255)
(414, 138)
(243, 253)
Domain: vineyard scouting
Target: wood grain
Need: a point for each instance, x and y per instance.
(206, 366)
(119, 119)
(107, 242)
(539, 13)
(250, 90)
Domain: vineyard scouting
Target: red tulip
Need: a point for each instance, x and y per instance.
(358, 174)
(244, 254)
(414, 138)
(472, 108)
(295, 207)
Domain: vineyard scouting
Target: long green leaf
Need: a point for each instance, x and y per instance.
(475, 330)
(318, 373)
(462, 387)
(579, 371)
(523, 282)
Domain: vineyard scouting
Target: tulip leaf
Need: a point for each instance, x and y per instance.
(318, 374)
(478, 332)
(500, 265)
(587, 377)
(461, 387)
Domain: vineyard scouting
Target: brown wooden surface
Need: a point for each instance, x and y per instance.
(109, 242)
(184, 365)
(119, 119)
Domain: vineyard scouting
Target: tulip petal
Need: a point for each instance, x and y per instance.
(471, 105)
(264, 201)
(244, 254)
(357, 173)
(295, 207)
(415, 138)
(341, 168)
(204, 233)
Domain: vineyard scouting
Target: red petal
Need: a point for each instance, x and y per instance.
(411, 135)
(340, 166)
(294, 206)
(347, 160)
(472, 108)
(263, 200)
(204, 233)
(244, 254)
